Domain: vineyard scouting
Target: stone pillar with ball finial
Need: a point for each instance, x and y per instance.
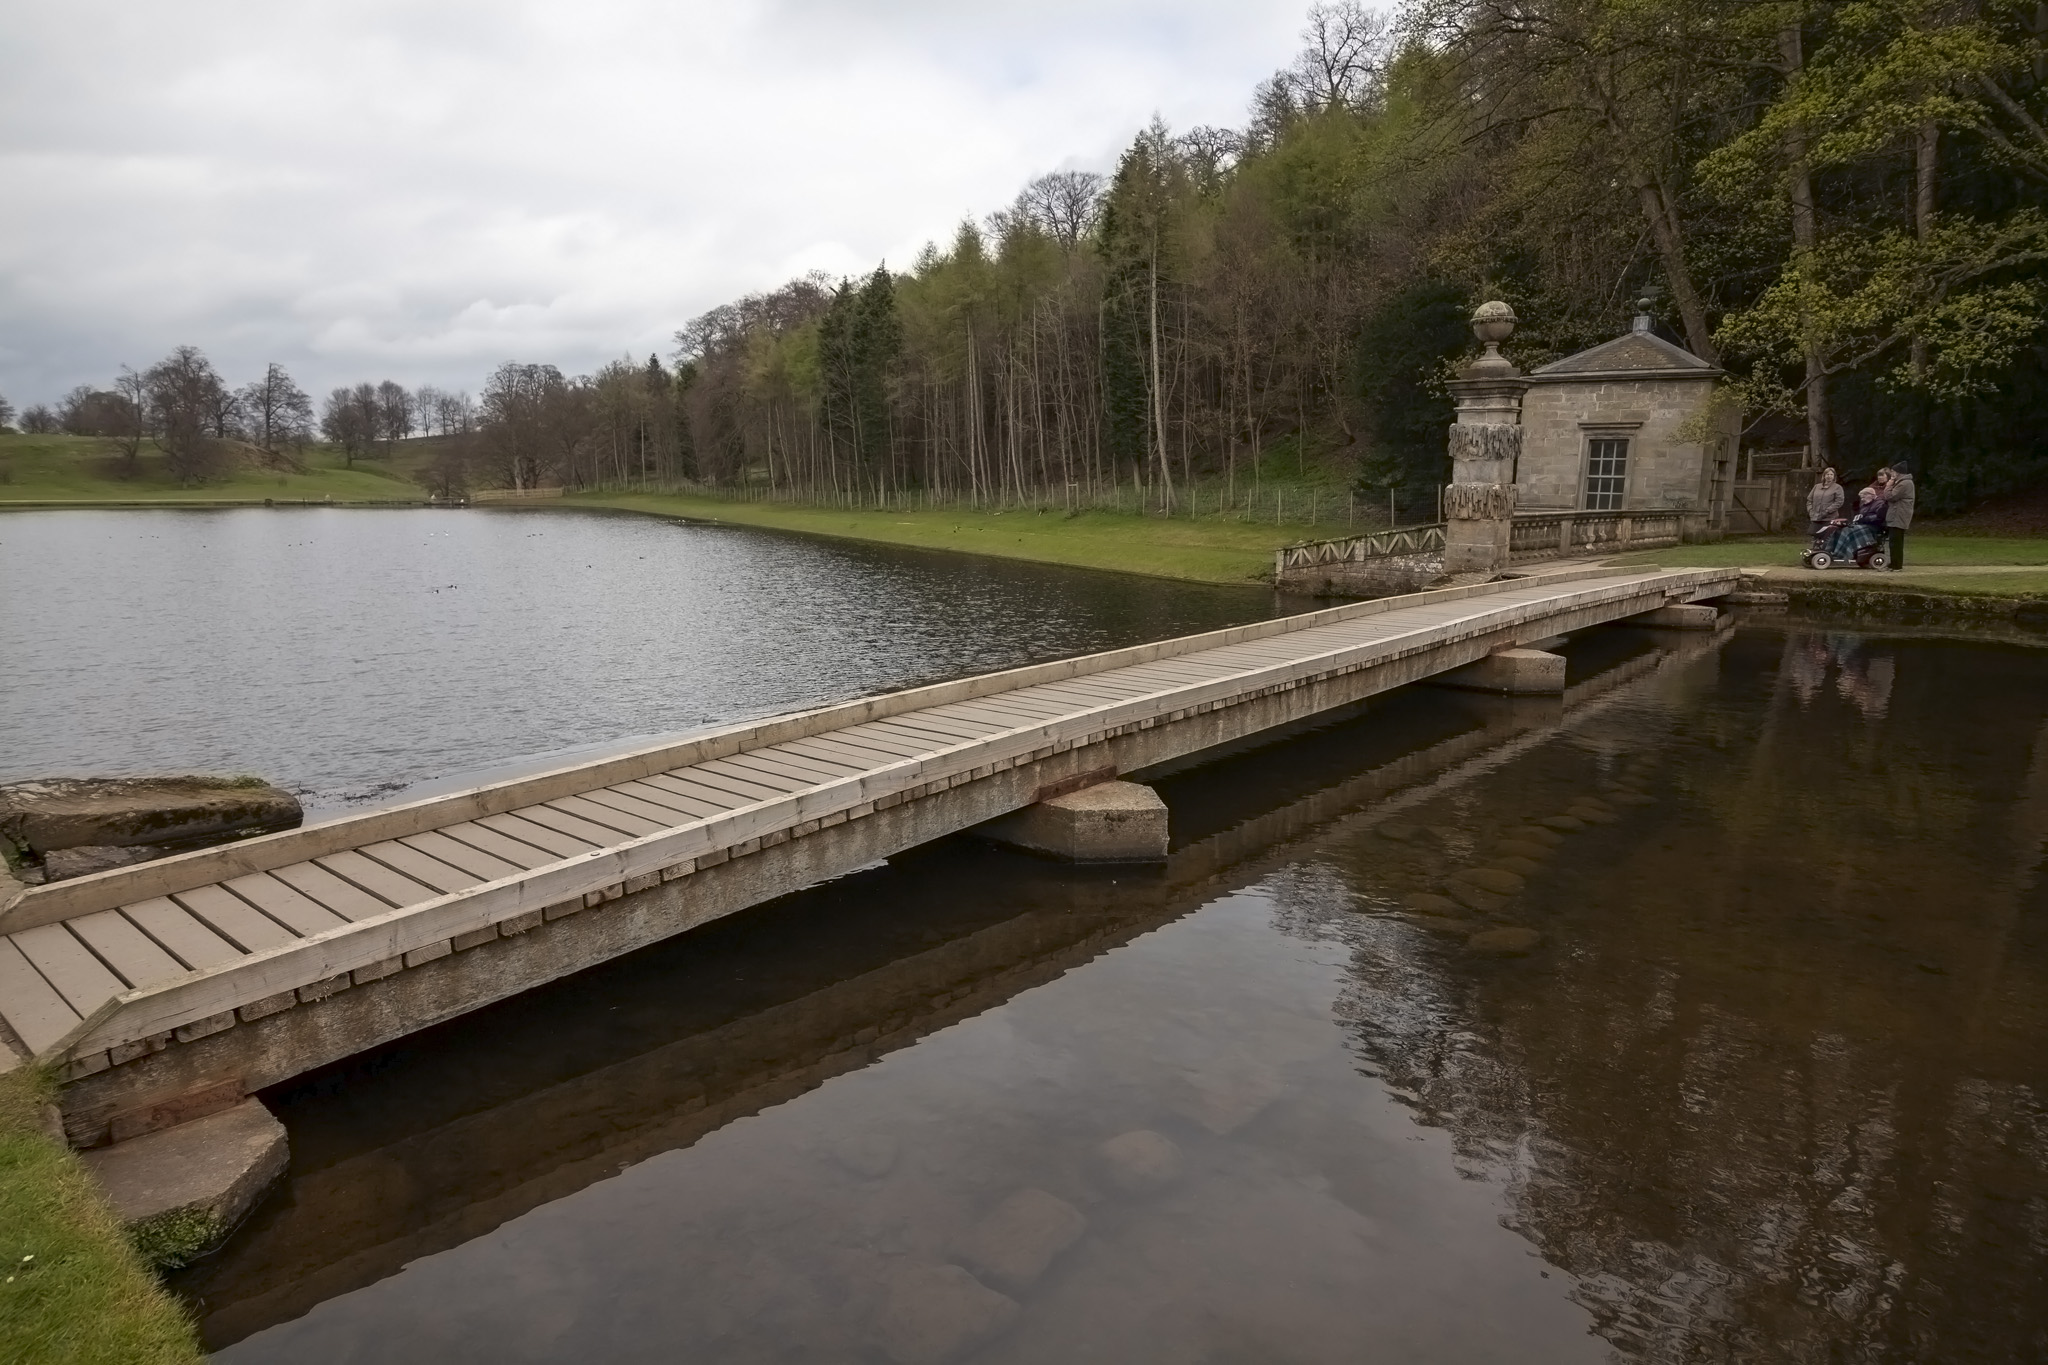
(1486, 440)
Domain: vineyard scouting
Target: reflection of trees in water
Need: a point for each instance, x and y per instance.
(1774, 1089)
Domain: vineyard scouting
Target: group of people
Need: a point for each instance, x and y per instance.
(1884, 511)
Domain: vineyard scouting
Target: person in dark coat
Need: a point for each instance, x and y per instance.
(1898, 511)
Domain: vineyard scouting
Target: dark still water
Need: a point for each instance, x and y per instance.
(346, 653)
(1770, 1087)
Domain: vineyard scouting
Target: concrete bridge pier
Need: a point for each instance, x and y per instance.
(1678, 616)
(1515, 672)
(1108, 822)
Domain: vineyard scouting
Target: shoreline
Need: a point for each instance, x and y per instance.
(1217, 552)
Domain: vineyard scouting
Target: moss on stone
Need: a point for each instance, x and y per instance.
(175, 1238)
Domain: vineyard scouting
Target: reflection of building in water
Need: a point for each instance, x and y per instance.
(1773, 1091)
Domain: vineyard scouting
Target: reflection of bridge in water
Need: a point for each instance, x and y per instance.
(166, 989)
(431, 1146)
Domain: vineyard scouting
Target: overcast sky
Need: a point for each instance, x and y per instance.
(420, 190)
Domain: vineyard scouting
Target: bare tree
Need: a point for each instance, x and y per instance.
(38, 420)
(6, 413)
(1340, 68)
(276, 409)
(186, 400)
(1063, 205)
(447, 474)
(133, 391)
(531, 424)
(394, 413)
(426, 406)
(344, 422)
(455, 412)
(370, 413)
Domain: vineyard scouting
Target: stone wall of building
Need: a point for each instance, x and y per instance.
(1559, 417)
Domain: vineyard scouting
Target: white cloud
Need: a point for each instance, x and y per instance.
(421, 190)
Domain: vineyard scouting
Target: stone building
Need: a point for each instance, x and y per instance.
(1604, 430)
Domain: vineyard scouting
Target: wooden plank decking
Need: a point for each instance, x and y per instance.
(126, 959)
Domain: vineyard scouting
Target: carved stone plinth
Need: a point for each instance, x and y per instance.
(1485, 442)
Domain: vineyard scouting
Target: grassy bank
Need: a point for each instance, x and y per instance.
(72, 1290)
(84, 469)
(1928, 549)
(1206, 549)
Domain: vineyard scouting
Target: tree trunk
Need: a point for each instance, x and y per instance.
(1158, 397)
(1664, 230)
(1925, 149)
(1805, 233)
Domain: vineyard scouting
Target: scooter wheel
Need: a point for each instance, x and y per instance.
(1880, 560)
(1821, 560)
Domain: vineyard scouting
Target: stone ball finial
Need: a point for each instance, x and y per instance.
(1493, 322)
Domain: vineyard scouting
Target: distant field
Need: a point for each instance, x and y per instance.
(88, 469)
(35, 469)
(1207, 549)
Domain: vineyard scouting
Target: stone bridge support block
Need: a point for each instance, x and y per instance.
(1515, 672)
(186, 1188)
(1678, 616)
(1110, 822)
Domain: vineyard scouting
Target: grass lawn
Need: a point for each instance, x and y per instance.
(1963, 565)
(1207, 549)
(72, 1290)
(87, 469)
(1928, 550)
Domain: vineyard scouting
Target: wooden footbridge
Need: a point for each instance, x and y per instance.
(168, 989)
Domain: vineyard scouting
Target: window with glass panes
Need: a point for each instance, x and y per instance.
(1606, 472)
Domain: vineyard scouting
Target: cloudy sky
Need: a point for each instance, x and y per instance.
(420, 190)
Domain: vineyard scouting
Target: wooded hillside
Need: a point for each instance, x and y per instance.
(1838, 202)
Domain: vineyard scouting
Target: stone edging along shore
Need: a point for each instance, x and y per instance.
(1851, 598)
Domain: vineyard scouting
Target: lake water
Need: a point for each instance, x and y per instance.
(349, 653)
(1771, 1087)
